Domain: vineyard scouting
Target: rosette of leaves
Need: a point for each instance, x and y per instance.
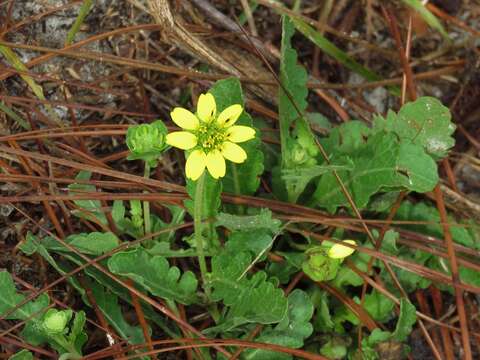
(147, 142)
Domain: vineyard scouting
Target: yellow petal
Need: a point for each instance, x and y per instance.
(233, 152)
(184, 118)
(206, 107)
(240, 133)
(230, 115)
(195, 164)
(216, 164)
(182, 139)
(339, 251)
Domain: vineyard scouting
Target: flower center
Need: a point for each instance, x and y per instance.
(210, 136)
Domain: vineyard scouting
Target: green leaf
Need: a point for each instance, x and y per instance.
(425, 122)
(250, 299)
(155, 274)
(429, 18)
(33, 245)
(108, 304)
(294, 79)
(22, 355)
(406, 320)
(89, 209)
(298, 146)
(10, 298)
(290, 332)
(323, 319)
(77, 335)
(378, 306)
(240, 178)
(94, 243)
(118, 211)
(335, 348)
(254, 241)
(263, 220)
(389, 243)
(423, 212)
(381, 164)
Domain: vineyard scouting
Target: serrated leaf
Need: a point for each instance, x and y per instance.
(290, 332)
(240, 178)
(425, 122)
(155, 274)
(249, 299)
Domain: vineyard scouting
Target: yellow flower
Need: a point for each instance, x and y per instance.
(210, 138)
(339, 251)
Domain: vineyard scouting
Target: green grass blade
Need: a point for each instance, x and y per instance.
(342, 57)
(20, 121)
(17, 64)
(429, 18)
(84, 10)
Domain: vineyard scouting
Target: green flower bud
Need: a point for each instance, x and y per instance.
(55, 321)
(147, 141)
(319, 266)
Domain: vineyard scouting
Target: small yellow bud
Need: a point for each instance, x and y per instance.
(339, 251)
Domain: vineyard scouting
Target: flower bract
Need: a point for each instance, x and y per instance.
(210, 139)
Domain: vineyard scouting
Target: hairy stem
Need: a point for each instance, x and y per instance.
(198, 226)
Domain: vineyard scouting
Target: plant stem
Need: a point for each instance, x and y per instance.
(146, 204)
(198, 226)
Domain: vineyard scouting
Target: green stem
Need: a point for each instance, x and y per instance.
(197, 223)
(72, 352)
(146, 204)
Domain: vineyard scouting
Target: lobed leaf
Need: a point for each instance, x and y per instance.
(290, 332)
(249, 299)
(155, 274)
